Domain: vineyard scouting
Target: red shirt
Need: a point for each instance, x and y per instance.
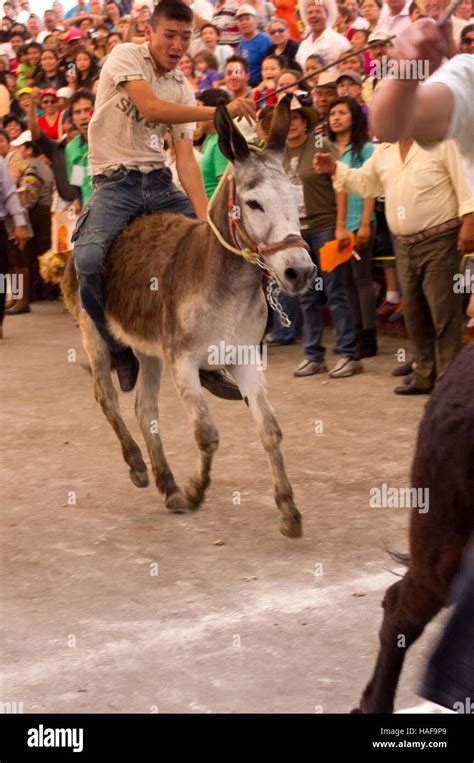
(52, 131)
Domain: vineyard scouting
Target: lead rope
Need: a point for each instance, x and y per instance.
(247, 254)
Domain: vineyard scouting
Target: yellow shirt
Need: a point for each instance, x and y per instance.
(425, 190)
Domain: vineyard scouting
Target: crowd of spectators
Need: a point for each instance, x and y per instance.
(49, 77)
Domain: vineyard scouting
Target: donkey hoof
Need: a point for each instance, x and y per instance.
(291, 527)
(177, 503)
(139, 479)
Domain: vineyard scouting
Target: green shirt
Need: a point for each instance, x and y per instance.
(319, 210)
(213, 164)
(77, 165)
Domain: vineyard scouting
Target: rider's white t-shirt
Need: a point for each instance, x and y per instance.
(119, 136)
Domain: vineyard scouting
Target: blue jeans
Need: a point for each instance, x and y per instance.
(117, 199)
(311, 306)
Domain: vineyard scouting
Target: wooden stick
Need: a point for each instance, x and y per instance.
(339, 60)
(446, 15)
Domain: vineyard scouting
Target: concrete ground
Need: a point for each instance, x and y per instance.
(113, 604)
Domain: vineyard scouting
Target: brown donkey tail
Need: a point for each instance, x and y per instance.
(70, 289)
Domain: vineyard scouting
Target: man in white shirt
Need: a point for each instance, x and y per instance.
(394, 18)
(426, 197)
(24, 13)
(322, 40)
(441, 107)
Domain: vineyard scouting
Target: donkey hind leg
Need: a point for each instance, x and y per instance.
(146, 410)
(106, 396)
(250, 380)
(408, 608)
(186, 377)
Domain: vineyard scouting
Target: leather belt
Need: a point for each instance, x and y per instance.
(423, 235)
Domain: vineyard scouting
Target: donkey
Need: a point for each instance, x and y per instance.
(443, 464)
(206, 296)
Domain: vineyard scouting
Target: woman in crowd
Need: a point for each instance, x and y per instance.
(371, 10)
(113, 16)
(318, 213)
(348, 130)
(312, 64)
(86, 69)
(50, 120)
(210, 37)
(49, 74)
(186, 66)
(281, 45)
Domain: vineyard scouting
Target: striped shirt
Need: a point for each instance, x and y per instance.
(224, 19)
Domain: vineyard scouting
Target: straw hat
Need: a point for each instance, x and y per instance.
(308, 112)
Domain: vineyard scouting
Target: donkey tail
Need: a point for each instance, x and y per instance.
(399, 558)
(70, 289)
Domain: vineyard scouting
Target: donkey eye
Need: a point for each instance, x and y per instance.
(254, 205)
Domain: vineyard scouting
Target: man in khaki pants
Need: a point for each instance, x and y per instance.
(426, 199)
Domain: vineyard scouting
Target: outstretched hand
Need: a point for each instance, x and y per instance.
(324, 164)
(426, 42)
(242, 108)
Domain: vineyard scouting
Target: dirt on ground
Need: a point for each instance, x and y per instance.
(111, 603)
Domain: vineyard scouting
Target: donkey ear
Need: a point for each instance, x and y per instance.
(231, 141)
(280, 125)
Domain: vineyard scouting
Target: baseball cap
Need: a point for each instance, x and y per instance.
(246, 9)
(25, 137)
(354, 76)
(74, 34)
(49, 91)
(25, 91)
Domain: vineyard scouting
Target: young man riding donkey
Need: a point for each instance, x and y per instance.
(141, 92)
(208, 273)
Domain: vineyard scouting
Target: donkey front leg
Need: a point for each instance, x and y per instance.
(146, 411)
(106, 395)
(186, 376)
(250, 380)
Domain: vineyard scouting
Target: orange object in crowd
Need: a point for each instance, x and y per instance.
(330, 256)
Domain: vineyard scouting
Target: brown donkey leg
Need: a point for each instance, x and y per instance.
(251, 384)
(106, 396)
(407, 610)
(146, 410)
(186, 377)
(409, 605)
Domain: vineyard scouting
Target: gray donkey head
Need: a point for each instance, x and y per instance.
(265, 197)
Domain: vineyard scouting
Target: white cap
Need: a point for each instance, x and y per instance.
(25, 137)
(65, 92)
(246, 9)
